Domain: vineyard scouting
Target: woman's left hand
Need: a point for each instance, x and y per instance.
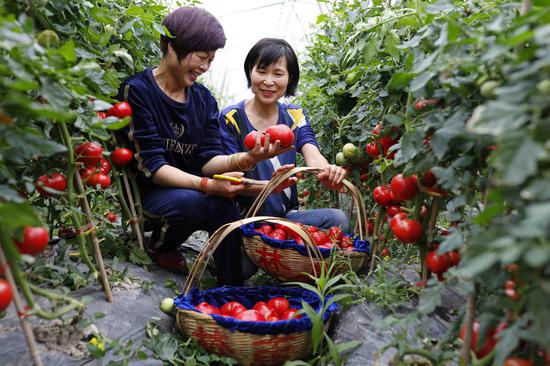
(332, 176)
(287, 182)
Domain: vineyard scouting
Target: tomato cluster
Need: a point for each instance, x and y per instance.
(332, 238)
(440, 263)
(279, 132)
(276, 309)
(385, 142)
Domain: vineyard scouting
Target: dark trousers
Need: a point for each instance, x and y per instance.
(184, 211)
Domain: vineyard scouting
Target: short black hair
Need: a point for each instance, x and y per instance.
(192, 29)
(268, 51)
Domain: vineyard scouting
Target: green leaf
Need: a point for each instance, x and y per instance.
(370, 50)
(333, 350)
(346, 346)
(399, 80)
(496, 117)
(9, 194)
(421, 80)
(138, 256)
(16, 215)
(517, 158)
(68, 51)
(478, 264)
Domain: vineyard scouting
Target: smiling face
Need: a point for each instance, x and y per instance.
(269, 83)
(187, 70)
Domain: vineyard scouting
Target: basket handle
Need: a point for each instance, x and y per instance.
(216, 238)
(361, 221)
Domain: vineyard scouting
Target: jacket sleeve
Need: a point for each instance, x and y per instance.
(305, 134)
(143, 134)
(230, 136)
(211, 145)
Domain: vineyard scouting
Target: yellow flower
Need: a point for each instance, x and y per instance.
(96, 342)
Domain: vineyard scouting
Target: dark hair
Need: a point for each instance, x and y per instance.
(193, 29)
(268, 51)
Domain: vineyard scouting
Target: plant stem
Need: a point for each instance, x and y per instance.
(407, 113)
(73, 304)
(469, 323)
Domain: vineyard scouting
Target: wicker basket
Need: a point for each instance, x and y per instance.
(246, 348)
(287, 264)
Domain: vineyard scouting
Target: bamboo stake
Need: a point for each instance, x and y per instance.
(97, 250)
(135, 221)
(20, 307)
(465, 352)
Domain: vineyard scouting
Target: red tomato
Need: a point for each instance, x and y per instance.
(517, 361)
(6, 294)
(372, 149)
(422, 103)
(335, 234)
(89, 153)
(510, 290)
(305, 193)
(385, 252)
(251, 316)
(232, 308)
(404, 188)
(54, 181)
(386, 142)
(272, 318)
(278, 234)
(489, 343)
(454, 257)
(429, 179)
(111, 216)
(120, 110)
(101, 115)
(290, 314)
(282, 133)
(364, 177)
(103, 180)
(121, 156)
(262, 307)
(35, 240)
(320, 237)
(250, 140)
(393, 210)
(208, 309)
(104, 166)
(265, 229)
(346, 242)
(406, 230)
(376, 129)
(437, 263)
(312, 229)
(279, 305)
(382, 195)
(371, 227)
(87, 172)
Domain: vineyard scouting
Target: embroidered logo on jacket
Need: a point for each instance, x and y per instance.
(177, 147)
(178, 129)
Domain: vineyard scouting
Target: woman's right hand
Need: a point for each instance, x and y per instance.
(268, 150)
(224, 188)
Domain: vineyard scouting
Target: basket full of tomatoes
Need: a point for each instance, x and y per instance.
(254, 325)
(281, 252)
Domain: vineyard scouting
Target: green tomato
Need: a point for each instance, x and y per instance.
(340, 159)
(48, 38)
(487, 89)
(350, 151)
(544, 87)
(352, 78)
(167, 305)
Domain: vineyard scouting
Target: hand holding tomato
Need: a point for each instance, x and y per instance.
(264, 150)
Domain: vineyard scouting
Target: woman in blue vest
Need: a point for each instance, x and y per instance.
(272, 71)
(175, 136)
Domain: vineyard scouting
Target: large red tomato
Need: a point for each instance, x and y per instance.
(6, 294)
(282, 133)
(277, 234)
(404, 188)
(279, 305)
(103, 180)
(320, 238)
(121, 156)
(250, 140)
(89, 153)
(232, 308)
(290, 314)
(251, 316)
(35, 240)
(206, 308)
(120, 110)
(55, 181)
(335, 234)
(372, 149)
(382, 195)
(262, 307)
(437, 263)
(406, 230)
(265, 229)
